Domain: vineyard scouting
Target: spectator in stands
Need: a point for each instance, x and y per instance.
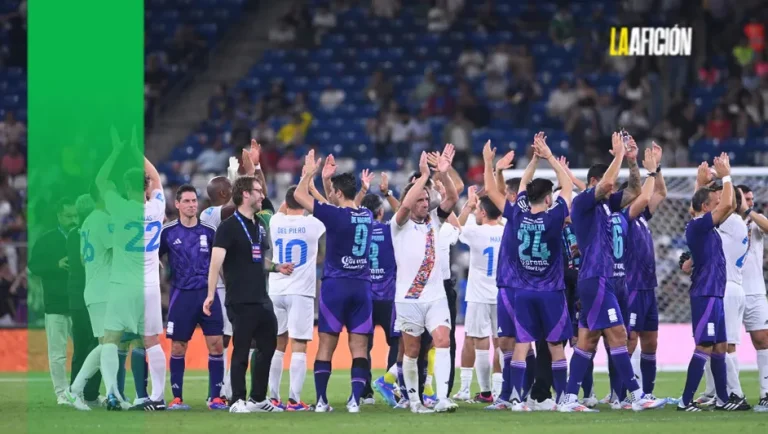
(275, 103)
(561, 100)
(683, 117)
(331, 98)
(719, 126)
(590, 59)
(263, 133)
(762, 92)
(293, 132)
(282, 33)
(635, 120)
(459, 132)
(185, 48)
(496, 86)
(530, 21)
(300, 103)
(323, 22)
(378, 131)
(379, 88)
(241, 132)
(499, 59)
(523, 92)
(754, 30)
(243, 109)
(439, 18)
(385, 8)
(402, 132)
(585, 92)
(155, 77)
(214, 159)
(421, 134)
(749, 107)
(471, 62)
(289, 162)
(442, 103)
(16, 27)
(520, 61)
(11, 130)
(607, 114)
(425, 89)
(13, 162)
(219, 101)
(454, 7)
(487, 20)
(476, 170)
(668, 136)
(634, 87)
(562, 29)
(7, 305)
(583, 128)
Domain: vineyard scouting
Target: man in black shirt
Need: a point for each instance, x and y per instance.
(242, 248)
(49, 261)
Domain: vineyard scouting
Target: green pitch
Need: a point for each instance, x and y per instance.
(28, 405)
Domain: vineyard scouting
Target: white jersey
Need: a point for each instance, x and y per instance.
(410, 245)
(212, 216)
(136, 239)
(96, 251)
(294, 239)
(484, 242)
(733, 232)
(448, 236)
(754, 281)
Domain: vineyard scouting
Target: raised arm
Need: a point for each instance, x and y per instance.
(727, 204)
(302, 195)
(497, 197)
(503, 164)
(254, 154)
(384, 189)
(633, 183)
(660, 187)
(366, 177)
(703, 176)
(642, 201)
(316, 194)
(102, 177)
(566, 185)
(530, 169)
(469, 207)
(760, 220)
(605, 185)
(443, 167)
(329, 169)
(576, 181)
(154, 176)
(404, 212)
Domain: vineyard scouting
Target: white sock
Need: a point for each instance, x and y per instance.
(466, 378)
(250, 356)
(732, 368)
(226, 387)
(762, 371)
(500, 354)
(635, 359)
(709, 379)
(411, 377)
(483, 368)
(498, 382)
(298, 374)
(109, 364)
(156, 361)
(442, 371)
(275, 375)
(90, 367)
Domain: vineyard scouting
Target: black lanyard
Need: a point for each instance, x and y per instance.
(255, 247)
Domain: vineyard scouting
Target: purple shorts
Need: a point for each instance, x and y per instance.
(345, 303)
(542, 315)
(600, 304)
(643, 311)
(185, 312)
(505, 311)
(708, 320)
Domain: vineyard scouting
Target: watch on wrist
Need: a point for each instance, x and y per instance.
(748, 211)
(388, 193)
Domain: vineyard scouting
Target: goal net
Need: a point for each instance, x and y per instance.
(668, 228)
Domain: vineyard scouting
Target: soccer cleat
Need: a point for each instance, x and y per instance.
(591, 401)
(352, 407)
(705, 400)
(499, 405)
(404, 403)
(368, 400)
(570, 404)
(100, 401)
(623, 405)
(239, 407)
(150, 405)
(265, 406)
(63, 400)
(419, 408)
(217, 404)
(113, 404)
(673, 401)
(548, 404)
(462, 395)
(762, 405)
(386, 390)
(140, 401)
(518, 406)
(692, 407)
(445, 406)
(734, 403)
(608, 399)
(645, 403)
(483, 399)
(297, 406)
(277, 403)
(178, 404)
(429, 400)
(75, 400)
(322, 407)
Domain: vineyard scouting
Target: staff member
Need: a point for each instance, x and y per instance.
(242, 247)
(49, 261)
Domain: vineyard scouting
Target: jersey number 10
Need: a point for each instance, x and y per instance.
(285, 255)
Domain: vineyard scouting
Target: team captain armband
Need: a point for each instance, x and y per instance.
(443, 214)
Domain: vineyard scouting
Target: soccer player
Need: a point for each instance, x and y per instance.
(137, 221)
(540, 301)
(187, 242)
(480, 319)
(599, 292)
(756, 310)
(345, 294)
(294, 240)
(708, 284)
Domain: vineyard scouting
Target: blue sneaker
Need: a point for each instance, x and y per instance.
(387, 391)
(429, 400)
(113, 404)
(217, 404)
(178, 404)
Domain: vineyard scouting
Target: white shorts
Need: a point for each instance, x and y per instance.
(480, 320)
(415, 318)
(295, 315)
(224, 317)
(96, 313)
(734, 303)
(756, 313)
(134, 311)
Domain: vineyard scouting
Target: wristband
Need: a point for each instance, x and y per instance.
(388, 193)
(726, 178)
(258, 166)
(653, 174)
(748, 211)
(273, 268)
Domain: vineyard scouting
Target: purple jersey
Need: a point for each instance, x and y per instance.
(347, 241)
(593, 228)
(569, 240)
(505, 271)
(189, 253)
(383, 266)
(619, 229)
(640, 258)
(708, 279)
(539, 245)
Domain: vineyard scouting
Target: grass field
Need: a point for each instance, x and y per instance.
(28, 405)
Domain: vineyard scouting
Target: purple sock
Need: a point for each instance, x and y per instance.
(695, 372)
(580, 362)
(559, 378)
(623, 365)
(177, 376)
(719, 373)
(401, 380)
(215, 374)
(613, 380)
(322, 375)
(506, 370)
(648, 369)
(589, 380)
(530, 373)
(359, 374)
(517, 378)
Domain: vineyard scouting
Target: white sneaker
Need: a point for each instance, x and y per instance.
(590, 402)
(418, 408)
(368, 401)
(518, 406)
(265, 406)
(76, 401)
(403, 404)
(705, 400)
(462, 395)
(546, 405)
(623, 405)
(352, 407)
(608, 399)
(226, 390)
(63, 400)
(445, 405)
(323, 407)
(239, 407)
(100, 401)
(645, 403)
(139, 401)
(571, 404)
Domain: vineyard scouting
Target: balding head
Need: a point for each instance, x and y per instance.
(219, 190)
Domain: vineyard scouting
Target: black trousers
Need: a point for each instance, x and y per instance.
(450, 292)
(84, 342)
(252, 322)
(382, 316)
